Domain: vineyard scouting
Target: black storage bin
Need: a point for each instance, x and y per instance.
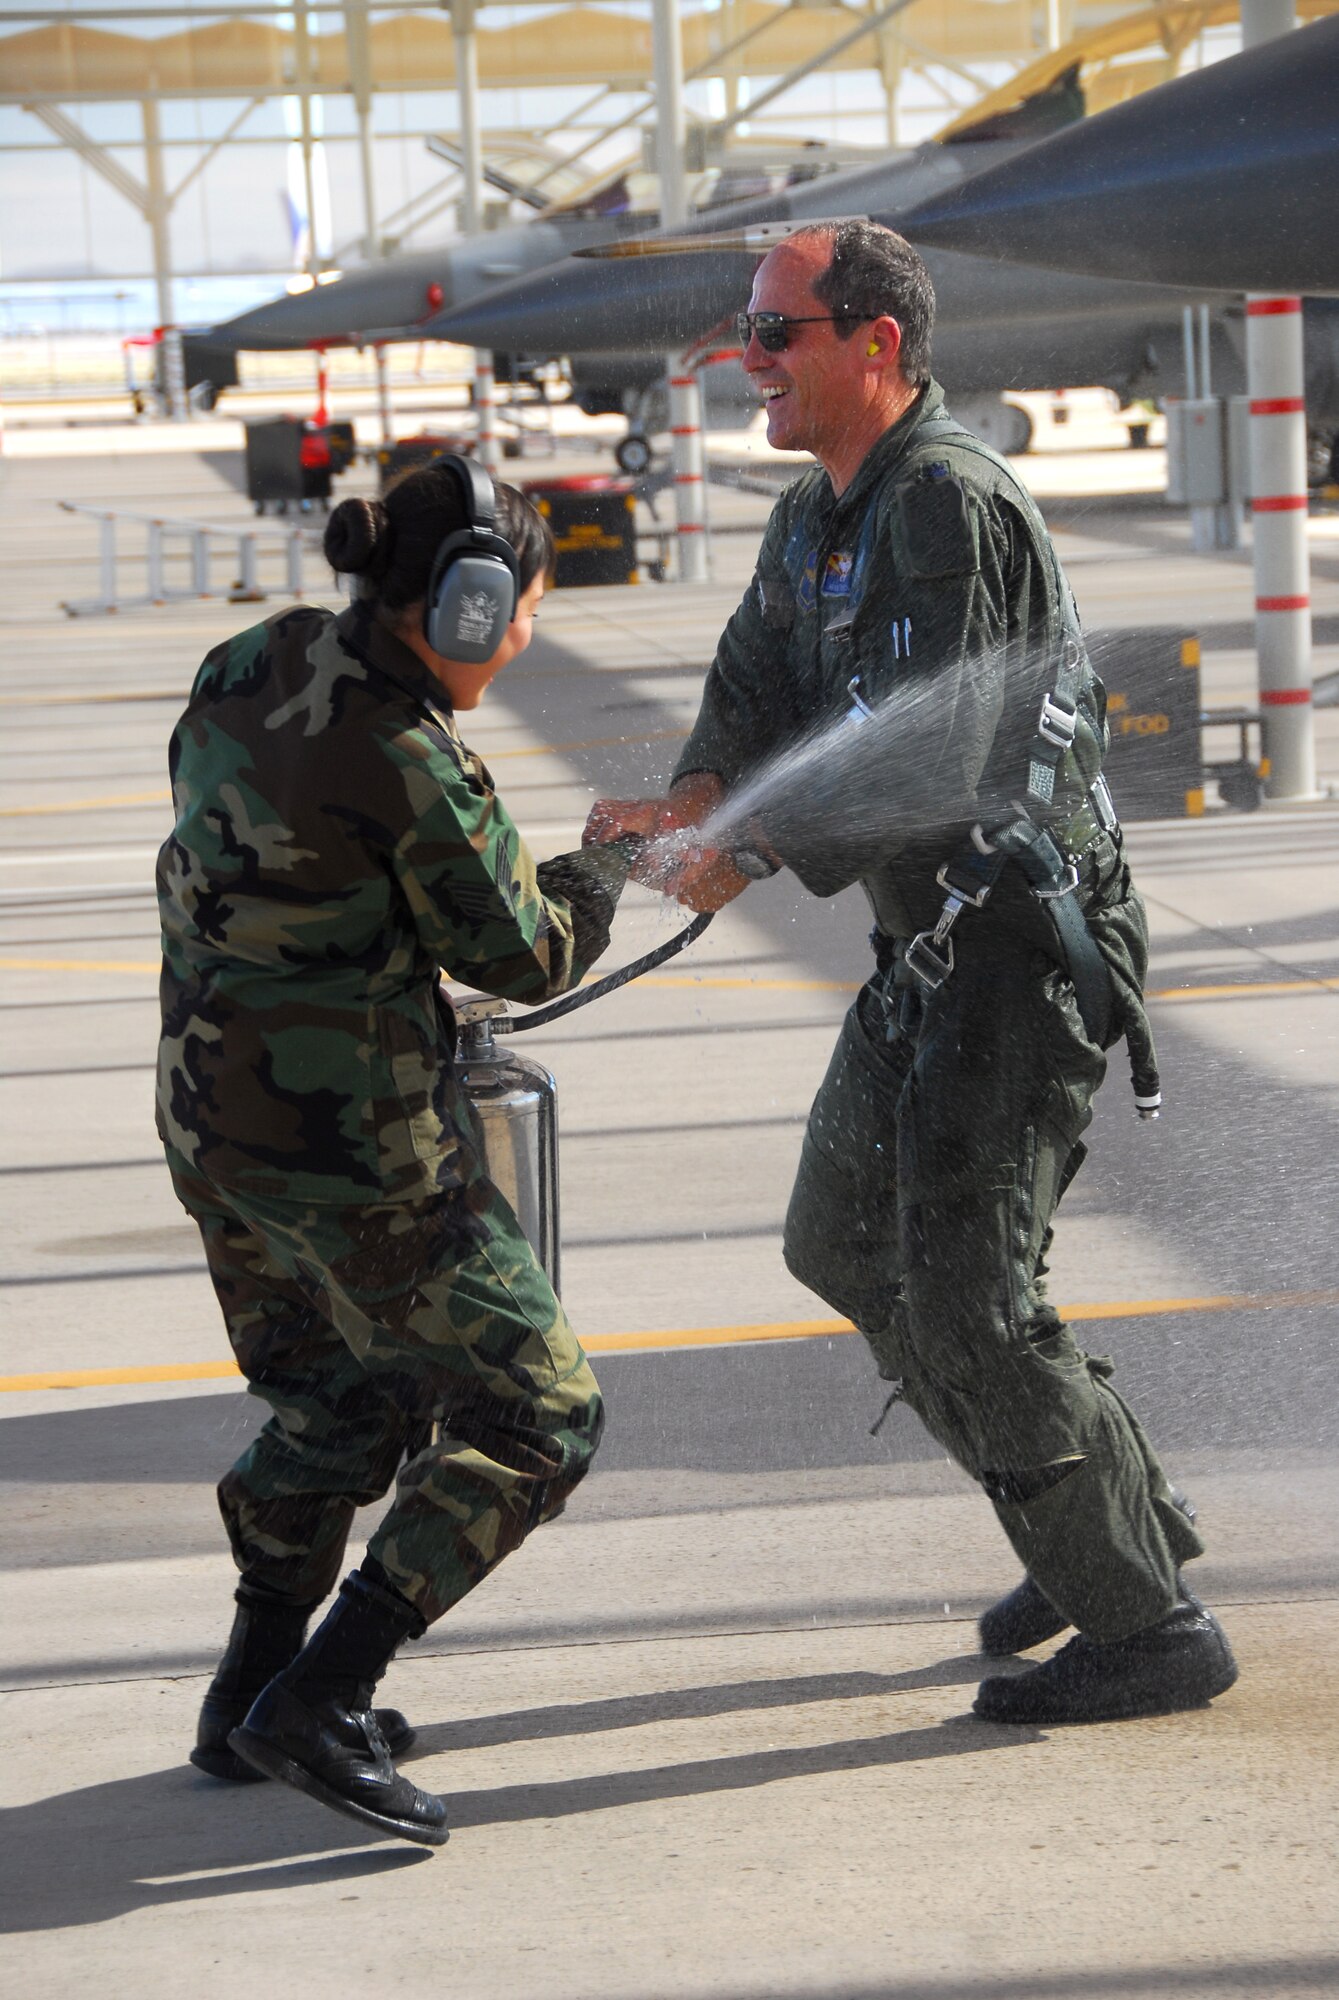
(594, 528)
(288, 460)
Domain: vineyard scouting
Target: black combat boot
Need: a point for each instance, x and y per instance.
(314, 1727)
(1181, 1662)
(267, 1635)
(1027, 1617)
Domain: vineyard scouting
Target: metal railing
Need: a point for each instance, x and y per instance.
(170, 543)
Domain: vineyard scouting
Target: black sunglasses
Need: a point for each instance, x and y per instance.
(772, 329)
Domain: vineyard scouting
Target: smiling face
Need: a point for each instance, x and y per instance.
(823, 394)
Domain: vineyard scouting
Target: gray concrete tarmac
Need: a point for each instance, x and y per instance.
(706, 1735)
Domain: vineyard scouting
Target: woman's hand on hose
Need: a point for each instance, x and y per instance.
(702, 878)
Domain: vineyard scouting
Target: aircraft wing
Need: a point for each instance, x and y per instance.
(1224, 178)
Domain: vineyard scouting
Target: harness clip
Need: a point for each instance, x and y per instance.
(930, 966)
(1067, 887)
(974, 898)
(1057, 724)
(1104, 805)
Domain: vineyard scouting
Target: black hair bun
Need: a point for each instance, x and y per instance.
(358, 538)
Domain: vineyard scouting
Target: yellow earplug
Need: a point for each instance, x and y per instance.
(872, 349)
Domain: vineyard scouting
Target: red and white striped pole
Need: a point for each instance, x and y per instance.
(687, 463)
(1274, 376)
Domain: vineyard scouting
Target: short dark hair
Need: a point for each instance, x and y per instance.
(392, 542)
(873, 271)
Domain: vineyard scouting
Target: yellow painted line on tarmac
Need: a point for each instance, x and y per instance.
(1259, 989)
(80, 965)
(697, 1336)
(116, 1378)
(735, 984)
(85, 805)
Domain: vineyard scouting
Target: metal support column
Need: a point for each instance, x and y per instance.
(383, 392)
(302, 55)
(1275, 385)
(157, 213)
(685, 396)
(472, 204)
(360, 82)
(157, 210)
(891, 64)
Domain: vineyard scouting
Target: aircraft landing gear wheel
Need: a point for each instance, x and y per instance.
(633, 453)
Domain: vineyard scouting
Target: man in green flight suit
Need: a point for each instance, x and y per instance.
(907, 593)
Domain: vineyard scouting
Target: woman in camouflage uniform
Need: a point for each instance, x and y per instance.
(336, 850)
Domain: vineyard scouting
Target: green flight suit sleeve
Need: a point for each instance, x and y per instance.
(473, 888)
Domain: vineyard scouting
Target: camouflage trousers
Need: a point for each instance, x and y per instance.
(362, 1328)
(933, 1163)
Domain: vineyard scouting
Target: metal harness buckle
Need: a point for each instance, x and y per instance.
(976, 898)
(1057, 724)
(924, 962)
(1067, 887)
(1103, 805)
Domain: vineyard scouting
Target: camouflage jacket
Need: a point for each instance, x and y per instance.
(336, 849)
(930, 583)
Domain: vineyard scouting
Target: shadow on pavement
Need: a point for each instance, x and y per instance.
(103, 1851)
(1266, 1979)
(593, 1718)
(960, 1736)
(168, 1836)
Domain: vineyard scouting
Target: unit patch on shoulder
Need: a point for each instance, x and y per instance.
(936, 526)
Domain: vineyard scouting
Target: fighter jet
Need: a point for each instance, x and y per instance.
(660, 303)
(1224, 178)
(395, 300)
(999, 327)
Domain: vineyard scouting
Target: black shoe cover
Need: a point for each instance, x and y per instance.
(339, 1756)
(1023, 1619)
(1181, 1662)
(219, 1717)
(1027, 1617)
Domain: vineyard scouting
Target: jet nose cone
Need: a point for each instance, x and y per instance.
(361, 306)
(639, 304)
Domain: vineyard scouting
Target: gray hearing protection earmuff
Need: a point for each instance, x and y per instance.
(475, 583)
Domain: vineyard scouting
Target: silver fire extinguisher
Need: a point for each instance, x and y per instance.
(515, 1100)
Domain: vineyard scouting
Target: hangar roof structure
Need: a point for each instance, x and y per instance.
(235, 61)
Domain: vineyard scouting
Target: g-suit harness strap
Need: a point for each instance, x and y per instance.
(1052, 877)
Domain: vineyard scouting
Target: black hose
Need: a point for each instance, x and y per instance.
(613, 980)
